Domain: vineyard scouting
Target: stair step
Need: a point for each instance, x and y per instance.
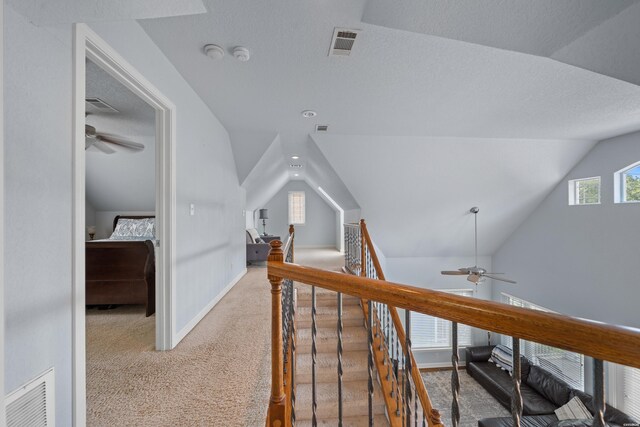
(362, 421)
(324, 297)
(353, 338)
(355, 400)
(327, 316)
(354, 366)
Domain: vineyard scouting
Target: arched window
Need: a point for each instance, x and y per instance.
(627, 184)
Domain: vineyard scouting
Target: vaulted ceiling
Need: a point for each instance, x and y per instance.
(440, 106)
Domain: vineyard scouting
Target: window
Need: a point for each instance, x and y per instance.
(627, 182)
(563, 364)
(432, 332)
(631, 390)
(585, 191)
(296, 207)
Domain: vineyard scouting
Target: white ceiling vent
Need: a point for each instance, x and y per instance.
(97, 104)
(342, 41)
(322, 128)
(32, 404)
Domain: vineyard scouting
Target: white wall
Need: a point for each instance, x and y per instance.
(320, 227)
(210, 245)
(425, 273)
(581, 260)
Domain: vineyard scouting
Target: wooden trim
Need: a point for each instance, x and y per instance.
(607, 342)
(372, 251)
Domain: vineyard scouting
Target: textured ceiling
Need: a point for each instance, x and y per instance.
(478, 73)
(48, 12)
(124, 180)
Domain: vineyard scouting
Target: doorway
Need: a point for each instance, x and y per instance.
(88, 46)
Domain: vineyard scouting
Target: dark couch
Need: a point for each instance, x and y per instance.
(542, 393)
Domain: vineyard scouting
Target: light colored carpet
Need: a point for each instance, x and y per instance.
(475, 402)
(219, 375)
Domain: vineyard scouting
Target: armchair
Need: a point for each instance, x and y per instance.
(257, 249)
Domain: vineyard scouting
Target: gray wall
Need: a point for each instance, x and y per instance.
(320, 227)
(210, 245)
(581, 260)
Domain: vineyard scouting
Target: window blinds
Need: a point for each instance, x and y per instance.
(432, 332)
(631, 378)
(563, 364)
(296, 207)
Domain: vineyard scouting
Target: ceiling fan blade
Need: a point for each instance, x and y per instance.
(499, 278)
(131, 145)
(103, 147)
(453, 273)
(88, 142)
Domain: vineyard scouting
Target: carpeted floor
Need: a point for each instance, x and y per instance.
(217, 376)
(475, 402)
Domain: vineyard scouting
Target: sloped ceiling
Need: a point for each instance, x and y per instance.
(47, 12)
(125, 180)
(480, 77)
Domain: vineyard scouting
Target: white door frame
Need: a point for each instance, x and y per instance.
(2, 411)
(87, 44)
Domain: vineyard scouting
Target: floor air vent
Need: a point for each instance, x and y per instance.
(32, 404)
(342, 41)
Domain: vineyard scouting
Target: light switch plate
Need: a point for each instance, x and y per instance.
(192, 209)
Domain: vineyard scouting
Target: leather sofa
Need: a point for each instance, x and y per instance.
(257, 250)
(542, 393)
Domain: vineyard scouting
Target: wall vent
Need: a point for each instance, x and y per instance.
(32, 405)
(322, 128)
(97, 104)
(342, 41)
(295, 166)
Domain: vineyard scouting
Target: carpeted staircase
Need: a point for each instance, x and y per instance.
(354, 362)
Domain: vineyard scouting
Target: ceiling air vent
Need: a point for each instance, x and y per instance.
(342, 41)
(322, 128)
(295, 166)
(97, 104)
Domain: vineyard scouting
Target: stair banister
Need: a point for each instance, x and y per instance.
(277, 414)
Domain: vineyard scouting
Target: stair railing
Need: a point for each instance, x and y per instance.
(406, 396)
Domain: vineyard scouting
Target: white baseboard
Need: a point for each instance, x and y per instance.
(192, 324)
(437, 365)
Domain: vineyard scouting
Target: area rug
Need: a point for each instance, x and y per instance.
(475, 402)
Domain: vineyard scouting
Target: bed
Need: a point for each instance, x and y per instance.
(122, 271)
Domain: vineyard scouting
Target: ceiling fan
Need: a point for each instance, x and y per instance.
(104, 142)
(476, 274)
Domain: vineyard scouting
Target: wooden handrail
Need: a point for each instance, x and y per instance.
(289, 245)
(421, 390)
(607, 342)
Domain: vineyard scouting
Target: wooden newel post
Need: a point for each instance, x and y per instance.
(291, 231)
(276, 416)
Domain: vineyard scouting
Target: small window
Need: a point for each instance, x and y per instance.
(433, 332)
(627, 183)
(296, 207)
(585, 191)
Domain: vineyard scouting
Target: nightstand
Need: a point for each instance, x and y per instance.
(268, 239)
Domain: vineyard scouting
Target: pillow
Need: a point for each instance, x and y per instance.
(259, 240)
(573, 410)
(253, 233)
(502, 356)
(130, 228)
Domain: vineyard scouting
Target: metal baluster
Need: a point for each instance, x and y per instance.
(455, 380)
(407, 321)
(285, 325)
(415, 404)
(293, 355)
(424, 420)
(339, 359)
(314, 331)
(598, 393)
(396, 366)
(516, 397)
(370, 328)
(404, 377)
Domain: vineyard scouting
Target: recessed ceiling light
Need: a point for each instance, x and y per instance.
(296, 174)
(307, 114)
(295, 157)
(214, 51)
